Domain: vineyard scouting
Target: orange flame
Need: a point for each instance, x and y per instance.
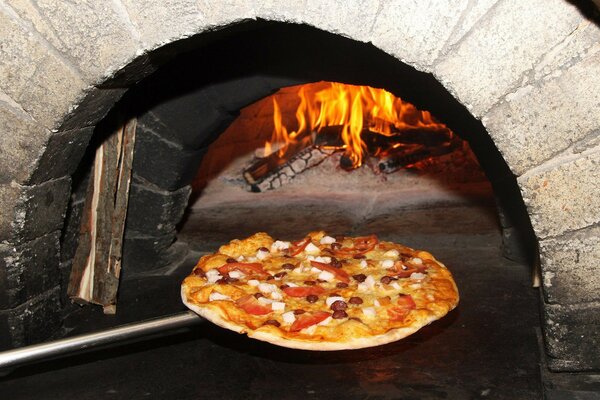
(354, 108)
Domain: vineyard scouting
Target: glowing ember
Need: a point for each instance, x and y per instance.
(354, 109)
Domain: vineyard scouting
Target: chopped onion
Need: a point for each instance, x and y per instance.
(266, 287)
(392, 253)
(218, 296)
(327, 240)
(387, 263)
(261, 255)
(326, 321)
(212, 275)
(363, 263)
(417, 261)
(324, 260)
(369, 311)
(276, 296)
(253, 282)
(280, 245)
(236, 274)
(277, 306)
(326, 276)
(417, 276)
(330, 300)
(312, 249)
(264, 300)
(288, 317)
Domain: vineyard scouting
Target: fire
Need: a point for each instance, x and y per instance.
(354, 109)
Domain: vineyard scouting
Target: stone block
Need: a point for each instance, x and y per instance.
(571, 267)
(572, 336)
(92, 108)
(70, 232)
(189, 120)
(153, 211)
(20, 142)
(143, 254)
(473, 13)
(32, 322)
(40, 209)
(493, 58)
(525, 138)
(8, 198)
(225, 12)
(160, 21)
(415, 31)
(237, 93)
(28, 270)
(62, 155)
(33, 74)
(96, 36)
(164, 163)
(332, 16)
(564, 197)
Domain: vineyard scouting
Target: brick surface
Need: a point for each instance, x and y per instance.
(564, 198)
(92, 108)
(415, 31)
(143, 254)
(32, 322)
(572, 336)
(164, 163)
(153, 211)
(20, 142)
(530, 126)
(160, 21)
(36, 77)
(62, 155)
(40, 209)
(28, 270)
(95, 36)
(491, 60)
(571, 267)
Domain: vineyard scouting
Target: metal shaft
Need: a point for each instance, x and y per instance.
(57, 348)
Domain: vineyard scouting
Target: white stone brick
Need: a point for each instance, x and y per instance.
(563, 198)
(415, 31)
(162, 21)
(541, 120)
(35, 75)
(494, 56)
(96, 36)
(224, 12)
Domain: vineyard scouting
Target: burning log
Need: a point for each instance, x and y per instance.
(276, 170)
(97, 262)
(404, 155)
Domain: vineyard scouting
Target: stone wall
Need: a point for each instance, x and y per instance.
(526, 69)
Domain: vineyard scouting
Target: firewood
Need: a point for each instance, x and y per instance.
(97, 262)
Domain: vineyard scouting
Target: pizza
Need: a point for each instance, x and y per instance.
(320, 292)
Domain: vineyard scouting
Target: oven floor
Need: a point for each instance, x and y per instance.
(486, 348)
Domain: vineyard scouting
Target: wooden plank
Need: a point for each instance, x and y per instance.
(97, 262)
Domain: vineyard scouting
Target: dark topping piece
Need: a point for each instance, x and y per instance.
(258, 295)
(336, 246)
(284, 286)
(312, 298)
(355, 300)
(280, 274)
(340, 314)
(321, 281)
(340, 239)
(230, 260)
(299, 311)
(359, 256)
(263, 249)
(310, 283)
(335, 263)
(359, 277)
(341, 285)
(338, 305)
(199, 272)
(270, 277)
(288, 266)
(335, 295)
(272, 322)
(222, 281)
(231, 280)
(386, 280)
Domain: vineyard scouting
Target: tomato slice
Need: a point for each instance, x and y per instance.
(246, 268)
(303, 291)
(339, 273)
(405, 273)
(361, 246)
(299, 246)
(406, 301)
(251, 305)
(307, 319)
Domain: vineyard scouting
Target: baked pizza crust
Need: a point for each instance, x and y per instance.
(216, 311)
